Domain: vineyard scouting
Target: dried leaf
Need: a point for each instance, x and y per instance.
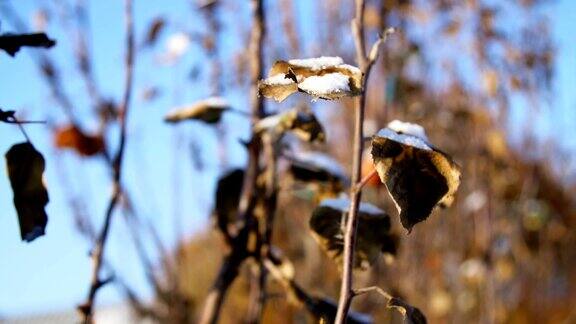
(73, 138)
(412, 315)
(417, 176)
(154, 30)
(317, 167)
(209, 110)
(25, 169)
(373, 231)
(11, 43)
(228, 192)
(301, 123)
(324, 77)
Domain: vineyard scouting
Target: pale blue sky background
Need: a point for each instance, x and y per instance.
(52, 273)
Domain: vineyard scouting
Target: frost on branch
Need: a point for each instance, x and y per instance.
(418, 176)
(209, 110)
(373, 236)
(25, 169)
(301, 123)
(323, 77)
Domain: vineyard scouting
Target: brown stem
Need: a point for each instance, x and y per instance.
(234, 259)
(98, 253)
(365, 64)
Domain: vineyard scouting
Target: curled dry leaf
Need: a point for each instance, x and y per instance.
(71, 137)
(25, 169)
(373, 235)
(209, 110)
(317, 167)
(418, 176)
(323, 77)
(11, 43)
(228, 192)
(412, 315)
(154, 30)
(301, 123)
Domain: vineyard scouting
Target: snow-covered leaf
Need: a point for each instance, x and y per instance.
(417, 175)
(322, 77)
(373, 231)
(301, 123)
(25, 169)
(209, 110)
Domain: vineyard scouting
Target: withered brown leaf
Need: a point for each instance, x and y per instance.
(72, 137)
(25, 169)
(373, 231)
(209, 110)
(324, 77)
(418, 176)
(412, 315)
(301, 123)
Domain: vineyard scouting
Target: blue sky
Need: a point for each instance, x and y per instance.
(53, 272)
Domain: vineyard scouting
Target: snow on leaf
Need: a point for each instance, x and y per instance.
(373, 231)
(25, 170)
(323, 77)
(418, 176)
(209, 110)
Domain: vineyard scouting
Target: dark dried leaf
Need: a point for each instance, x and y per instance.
(25, 169)
(417, 176)
(412, 315)
(209, 110)
(315, 167)
(11, 43)
(228, 197)
(373, 235)
(154, 30)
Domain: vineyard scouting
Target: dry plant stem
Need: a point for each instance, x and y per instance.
(362, 291)
(234, 259)
(346, 292)
(98, 253)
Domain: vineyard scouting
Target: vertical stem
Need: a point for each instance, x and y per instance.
(98, 253)
(234, 259)
(346, 292)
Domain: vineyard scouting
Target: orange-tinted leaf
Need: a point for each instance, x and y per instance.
(71, 137)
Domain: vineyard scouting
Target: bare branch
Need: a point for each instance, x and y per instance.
(98, 253)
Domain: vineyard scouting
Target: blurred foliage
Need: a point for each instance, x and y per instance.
(503, 253)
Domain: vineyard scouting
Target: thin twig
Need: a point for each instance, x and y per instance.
(365, 180)
(98, 253)
(365, 64)
(362, 291)
(234, 259)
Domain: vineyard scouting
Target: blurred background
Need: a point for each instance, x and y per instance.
(491, 81)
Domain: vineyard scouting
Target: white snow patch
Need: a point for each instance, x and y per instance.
(177, 44)
(343, 205)
(318, 63)
(351, 68)
(278, 79)
(408, 128)
(409, 140)
(326, 84)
